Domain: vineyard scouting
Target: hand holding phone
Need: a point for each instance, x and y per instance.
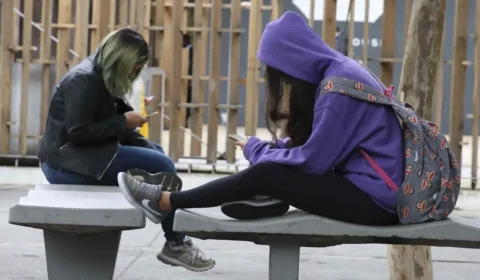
(237, 137)
(239, 140)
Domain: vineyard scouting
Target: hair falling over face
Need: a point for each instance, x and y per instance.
(121, 56)
(301, 102)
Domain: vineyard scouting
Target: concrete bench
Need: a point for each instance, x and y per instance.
(286, 234)
(82, 226)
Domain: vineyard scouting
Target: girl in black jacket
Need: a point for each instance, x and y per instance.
(91, 133)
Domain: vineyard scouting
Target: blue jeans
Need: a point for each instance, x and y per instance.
(127, 157)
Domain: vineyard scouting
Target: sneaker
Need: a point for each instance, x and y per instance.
(149, 178)
(257, 208)
(186, 255)
(145, 196)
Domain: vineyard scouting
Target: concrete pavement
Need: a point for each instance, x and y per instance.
(22, 252)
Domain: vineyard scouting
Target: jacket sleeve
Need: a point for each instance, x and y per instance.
(80, 106)
(134, 138)
(322, 151)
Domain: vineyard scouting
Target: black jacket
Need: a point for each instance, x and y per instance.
(86, 124)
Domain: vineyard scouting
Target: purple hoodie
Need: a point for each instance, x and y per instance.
(341, 124)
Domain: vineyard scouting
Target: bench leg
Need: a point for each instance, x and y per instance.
(284, 261)
(76, 257)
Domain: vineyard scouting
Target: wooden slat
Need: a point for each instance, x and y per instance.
(311, 14)
(388, 40)
(457, 96)
(63, 46)
(214, 83)
(145, 16)
(329, 25)
(351, 28)
(184, 83)
(25, 85)
(155, 129)
(132, 14)
(166, 57)
(476, 97)
(45, 55)
(175, 77)
(251, 93)
(123, 13)
(234, 76)
(277, 9)
(183, 99)
(200, 46)
(101, 19)
(81, 30)
(96, 15)
(366, 29)
(113, 16)
(6, 28)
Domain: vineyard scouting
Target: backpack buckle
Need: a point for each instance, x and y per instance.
(389, 91)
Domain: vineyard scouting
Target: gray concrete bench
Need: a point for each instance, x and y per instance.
(82, 226)
(286, 234)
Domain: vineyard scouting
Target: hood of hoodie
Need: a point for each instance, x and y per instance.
(288, 44)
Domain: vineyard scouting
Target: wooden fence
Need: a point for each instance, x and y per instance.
(57, 34)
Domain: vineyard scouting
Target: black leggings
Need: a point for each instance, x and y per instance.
(330, 196)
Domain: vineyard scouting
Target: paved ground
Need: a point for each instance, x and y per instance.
(22, 252)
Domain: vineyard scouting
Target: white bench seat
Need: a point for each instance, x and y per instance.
(82, 227)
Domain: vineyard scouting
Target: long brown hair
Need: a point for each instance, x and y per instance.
(301, 96)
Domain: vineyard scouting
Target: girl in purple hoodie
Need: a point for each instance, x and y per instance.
(318, 168)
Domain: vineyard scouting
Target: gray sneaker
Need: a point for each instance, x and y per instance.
(145, 196)
(186, 255)
(149, 178)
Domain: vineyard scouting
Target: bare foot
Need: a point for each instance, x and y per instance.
(164, 202)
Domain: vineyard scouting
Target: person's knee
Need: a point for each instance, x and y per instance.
(159, 148)
(170, 166)
(163, 163)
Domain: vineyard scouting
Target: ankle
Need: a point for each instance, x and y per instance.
(164, 202)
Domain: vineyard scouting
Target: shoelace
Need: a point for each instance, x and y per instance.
(196, 253)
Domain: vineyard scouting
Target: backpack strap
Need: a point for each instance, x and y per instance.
(380, 171)
(356, 89)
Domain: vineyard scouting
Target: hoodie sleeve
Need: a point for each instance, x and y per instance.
(282, 143)
(324, 149)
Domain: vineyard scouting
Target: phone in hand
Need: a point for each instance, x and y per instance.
(237, 137)
(152, 114)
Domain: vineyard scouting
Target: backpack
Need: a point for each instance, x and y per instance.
(431, 184)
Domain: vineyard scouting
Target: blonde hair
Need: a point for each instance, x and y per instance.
(118, 55)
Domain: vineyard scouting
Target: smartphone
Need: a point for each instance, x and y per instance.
(152, 114)
(237, 137)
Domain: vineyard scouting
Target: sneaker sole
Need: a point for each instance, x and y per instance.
(173, 262)
(252, 209)
(129, 197)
